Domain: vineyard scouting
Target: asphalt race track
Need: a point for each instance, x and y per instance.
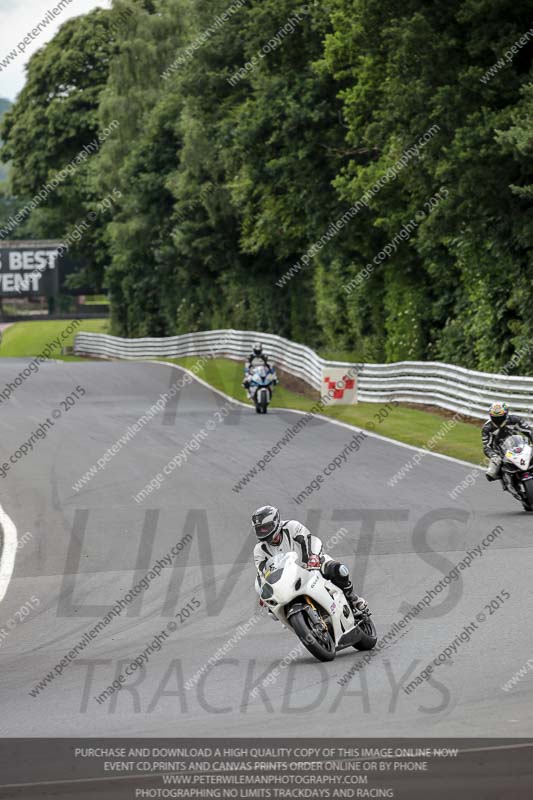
(81, 551)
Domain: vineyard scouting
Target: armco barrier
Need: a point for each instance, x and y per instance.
(432, 382)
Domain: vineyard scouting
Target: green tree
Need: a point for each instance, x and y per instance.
(52, 131)
(447, 290)
(139, 162)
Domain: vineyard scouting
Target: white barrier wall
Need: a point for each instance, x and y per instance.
(432, 382)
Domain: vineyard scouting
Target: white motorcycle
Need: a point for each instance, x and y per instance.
(315, 609)
(517, 469)
(262, 381)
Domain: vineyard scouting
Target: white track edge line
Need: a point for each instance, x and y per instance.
(9, 551)
(322, 416)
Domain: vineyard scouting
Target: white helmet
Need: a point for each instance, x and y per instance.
(266, 522)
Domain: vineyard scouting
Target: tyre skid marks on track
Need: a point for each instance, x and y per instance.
(8, 550)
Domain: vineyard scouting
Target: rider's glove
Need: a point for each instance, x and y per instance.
(313, 562)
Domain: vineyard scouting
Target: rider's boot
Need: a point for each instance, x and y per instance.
(358, 604)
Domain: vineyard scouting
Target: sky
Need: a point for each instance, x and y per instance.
(17, 18)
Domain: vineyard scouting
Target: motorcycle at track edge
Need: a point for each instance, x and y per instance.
(517, 469)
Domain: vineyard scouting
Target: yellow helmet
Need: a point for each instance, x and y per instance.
(498, 413)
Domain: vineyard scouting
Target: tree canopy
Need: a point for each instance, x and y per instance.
(356, 175)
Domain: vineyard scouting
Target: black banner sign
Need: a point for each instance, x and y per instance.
(407, 769)
(37, 268)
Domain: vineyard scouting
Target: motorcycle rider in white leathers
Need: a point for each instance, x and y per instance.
(275, 536)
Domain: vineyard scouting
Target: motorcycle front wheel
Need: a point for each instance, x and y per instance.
(323, 647)
(528, 502)
(369, 636)
(263, 402)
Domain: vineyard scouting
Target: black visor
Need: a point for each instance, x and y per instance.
(265, 529)
(499, 421)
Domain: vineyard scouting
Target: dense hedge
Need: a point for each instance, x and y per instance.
(248, 130)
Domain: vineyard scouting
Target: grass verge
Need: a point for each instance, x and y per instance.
(26, 339)
(403, 423)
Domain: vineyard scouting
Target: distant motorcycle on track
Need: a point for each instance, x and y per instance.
(314, 609)
(262, 381)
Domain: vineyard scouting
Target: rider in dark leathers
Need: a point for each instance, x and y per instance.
(498, 427)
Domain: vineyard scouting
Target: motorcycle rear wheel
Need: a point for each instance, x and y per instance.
(321, 650)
